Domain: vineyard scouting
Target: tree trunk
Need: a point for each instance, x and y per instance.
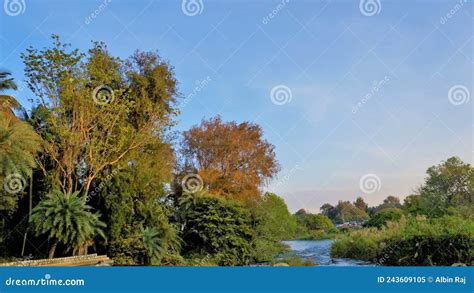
(30, 206)
(53, 249)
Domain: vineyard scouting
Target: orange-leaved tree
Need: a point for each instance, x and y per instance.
(233, 159)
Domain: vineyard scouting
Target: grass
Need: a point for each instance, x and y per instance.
(317, 235)
(411, 241)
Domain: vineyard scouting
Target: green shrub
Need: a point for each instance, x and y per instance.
(412, 241)
(318, 222)
(359, 244)
(265, 250)
(218, 229)
(428, 251)
(383, 216)
(272, 219)
(314, 226)
(272, 222)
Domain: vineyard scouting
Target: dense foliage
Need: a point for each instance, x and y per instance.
(433, 227)
(413, 241)
(272, 223)
(18, 145)
(217, 229)
(313, 226)
(344, 211)
(66, 219)
(391, 202)
(94, 111)
(382, 217)
(96, 156)
(103, 123)
(232, 159)
(448, 187)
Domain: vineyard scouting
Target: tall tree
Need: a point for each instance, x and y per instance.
(272, 223)
(388, 203)
(360, 204)
(391, 202)
(7, 102)
(105, 122)
(272, 218)
(348, 212)
(329, 211)
(94, 110)
(413, 204)
(449, 185)
(132, 200)
(232, 158)
(18, 145)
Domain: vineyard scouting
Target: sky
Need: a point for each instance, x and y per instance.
(358, 97)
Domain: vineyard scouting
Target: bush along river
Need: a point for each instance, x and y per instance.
(320, 252)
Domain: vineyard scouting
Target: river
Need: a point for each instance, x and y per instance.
(320, 252)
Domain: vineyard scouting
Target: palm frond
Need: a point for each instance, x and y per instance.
(66, 218)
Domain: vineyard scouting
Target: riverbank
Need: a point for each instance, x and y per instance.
(412, 241)
(319, 252)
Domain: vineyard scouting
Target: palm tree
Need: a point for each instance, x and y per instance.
(67, 219)
(6, 83)
(158, 242)
(18, 145)
(18, 141)
(7, 102)
(152, 242)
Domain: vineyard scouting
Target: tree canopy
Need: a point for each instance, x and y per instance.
(94, 111)
(343, 212)
(448, 186)
(233, 159)
(108, 173)
(219, 229)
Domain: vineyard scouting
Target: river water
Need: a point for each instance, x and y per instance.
(320, 252)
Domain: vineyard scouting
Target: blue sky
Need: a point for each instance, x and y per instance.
(366, 93)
